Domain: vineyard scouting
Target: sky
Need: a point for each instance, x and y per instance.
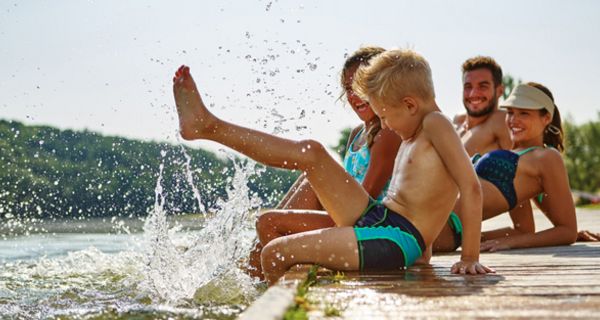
(274, 65)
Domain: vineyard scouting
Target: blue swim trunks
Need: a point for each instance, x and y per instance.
(386, 240)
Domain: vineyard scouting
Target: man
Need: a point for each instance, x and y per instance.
(482, 128)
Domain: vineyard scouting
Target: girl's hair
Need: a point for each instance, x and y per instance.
(361, 57)
(553, 135)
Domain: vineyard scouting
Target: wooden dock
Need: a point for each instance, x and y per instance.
(552, 282)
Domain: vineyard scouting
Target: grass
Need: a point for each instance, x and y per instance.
(590, 206)
(299, 310)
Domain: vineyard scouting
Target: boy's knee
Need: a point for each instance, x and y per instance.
(272, 256)
(314, 150)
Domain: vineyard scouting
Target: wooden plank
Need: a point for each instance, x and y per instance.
(553, 282)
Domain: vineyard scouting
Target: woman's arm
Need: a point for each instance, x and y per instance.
(560, 209)
(523, 223)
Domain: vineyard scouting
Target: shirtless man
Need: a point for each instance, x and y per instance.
(482, 128)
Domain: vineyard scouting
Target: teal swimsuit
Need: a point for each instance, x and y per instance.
(386, 240)
(356, 163)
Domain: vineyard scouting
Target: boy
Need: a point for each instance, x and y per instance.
(430, 169)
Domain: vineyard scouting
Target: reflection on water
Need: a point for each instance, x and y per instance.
(181, 267)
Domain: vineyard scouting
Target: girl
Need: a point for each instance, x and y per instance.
(369, 159)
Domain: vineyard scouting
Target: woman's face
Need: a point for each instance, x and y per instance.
(361, 108)
(525, 124)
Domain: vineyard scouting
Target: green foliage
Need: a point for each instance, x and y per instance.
(509, 83)
(299, 310)
(45, 172)
(342, 144)
(582, 155)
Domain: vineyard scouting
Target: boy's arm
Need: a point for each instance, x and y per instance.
(448, 145)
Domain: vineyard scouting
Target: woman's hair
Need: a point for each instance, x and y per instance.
(361, 57)
(553, 135)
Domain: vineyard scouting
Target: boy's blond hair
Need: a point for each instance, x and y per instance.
(393, 75)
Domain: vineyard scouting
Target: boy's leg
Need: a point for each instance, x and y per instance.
(333, 248)
(342, 197)
(275, 224)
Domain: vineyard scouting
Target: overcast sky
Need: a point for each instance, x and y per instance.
(107, 65)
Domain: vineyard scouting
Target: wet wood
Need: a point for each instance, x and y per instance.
(551, 282)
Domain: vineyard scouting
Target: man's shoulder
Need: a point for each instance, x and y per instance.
(459, 119)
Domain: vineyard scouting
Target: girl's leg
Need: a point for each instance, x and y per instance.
(342, 197)
(300, 196)
(275, 224)
(333, 248)
(279, 223)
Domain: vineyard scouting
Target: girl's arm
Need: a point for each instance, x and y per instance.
(560, 210)
(383, 153)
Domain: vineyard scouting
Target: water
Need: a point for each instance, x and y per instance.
(183, 267)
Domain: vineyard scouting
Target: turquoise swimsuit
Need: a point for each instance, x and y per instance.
(356, 163)
(386, 240)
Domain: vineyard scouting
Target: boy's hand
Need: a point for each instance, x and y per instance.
(470, 267)
(494, 245)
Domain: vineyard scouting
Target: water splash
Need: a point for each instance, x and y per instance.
(165, 271)
(180, 269)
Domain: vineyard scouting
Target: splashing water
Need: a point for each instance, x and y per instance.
(178, 271)
(164, 272)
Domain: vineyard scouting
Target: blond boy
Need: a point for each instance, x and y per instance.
(431, 168)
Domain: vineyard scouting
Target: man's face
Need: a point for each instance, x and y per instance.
(480, 97)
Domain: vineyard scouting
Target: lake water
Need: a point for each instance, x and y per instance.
(183, 267)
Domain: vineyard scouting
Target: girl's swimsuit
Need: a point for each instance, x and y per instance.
(356, 163)
(500, 167)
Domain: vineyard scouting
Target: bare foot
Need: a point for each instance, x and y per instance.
(585, 235)
(195, 121)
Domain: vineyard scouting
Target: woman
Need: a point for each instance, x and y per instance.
(533, 169)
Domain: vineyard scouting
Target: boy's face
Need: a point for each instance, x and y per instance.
(480, 97)
(393, 117)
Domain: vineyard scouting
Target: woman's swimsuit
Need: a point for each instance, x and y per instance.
(500, 167)
(356, 163)
(386, 240)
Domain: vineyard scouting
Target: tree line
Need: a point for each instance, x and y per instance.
(46, 172)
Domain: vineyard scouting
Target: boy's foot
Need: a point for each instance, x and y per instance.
(195, 121)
